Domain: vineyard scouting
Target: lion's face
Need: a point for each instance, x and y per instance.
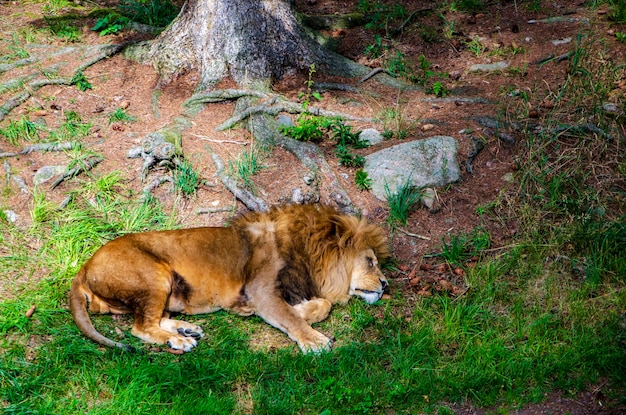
(367, 281)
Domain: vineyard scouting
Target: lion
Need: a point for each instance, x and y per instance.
(288, 265)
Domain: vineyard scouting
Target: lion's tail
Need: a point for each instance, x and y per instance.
(78, 305)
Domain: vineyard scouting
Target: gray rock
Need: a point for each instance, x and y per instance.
(371, 136)
(426, 163)
(10, 215)
(429, 196)
(46, 173)
(285, 120)
(558, 42)
(489, 67)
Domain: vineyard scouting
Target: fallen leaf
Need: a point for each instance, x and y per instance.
(30, 311)
(174, 351)
(415, 281)
(445, 284)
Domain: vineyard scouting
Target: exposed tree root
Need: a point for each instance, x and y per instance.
(87, 165)
(273, 105)
(246, 197)
(42, 147)
(266, 130)
(99, 52)
(154, 184)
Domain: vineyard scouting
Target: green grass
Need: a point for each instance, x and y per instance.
(186, 179)
(401, 202)
(20, 129)
(247, 164)
(120, 115)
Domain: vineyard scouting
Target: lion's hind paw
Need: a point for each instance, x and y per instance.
(182, 343)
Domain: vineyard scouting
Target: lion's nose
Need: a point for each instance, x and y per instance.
(384, 283)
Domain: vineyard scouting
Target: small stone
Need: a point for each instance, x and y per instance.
(561, 41)
(489, 67)
(610, 108)
(455, 75)
(40, 113)
(371, 136)
(296, 196)
(508, 177)
(428, 127)
(285, 120)
(46, 173)
(124, 104)
(429, 196)
(10, 215)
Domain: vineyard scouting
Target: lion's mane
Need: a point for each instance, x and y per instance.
(317, 242)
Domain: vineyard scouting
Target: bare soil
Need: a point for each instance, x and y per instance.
(120, 83)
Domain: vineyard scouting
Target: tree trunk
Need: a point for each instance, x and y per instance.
(253, 41)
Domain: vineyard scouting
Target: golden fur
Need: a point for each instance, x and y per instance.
(288, 266)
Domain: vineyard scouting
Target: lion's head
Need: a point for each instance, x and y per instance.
(361, 247)
(367, 281)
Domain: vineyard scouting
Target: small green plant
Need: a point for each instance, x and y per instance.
(309, 93)
(343, 134)
(246, 165)
(460, 248)
(621, 36)
(401, 202)
(64, 27)
(186, 179)
(362, 180)
(475, 46)
(120, 115)
(438, 89)
(72, 129)
(466, 5)
(348, 158)
(307, 128)
(618, 11)
(377, 48)
(379, 15)
(534, 6)
(157, 13)
(398, 65)
(20, 129)
(111, 23)
(394, 123)
(80, 80)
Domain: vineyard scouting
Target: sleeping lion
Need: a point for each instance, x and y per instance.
(288, 266)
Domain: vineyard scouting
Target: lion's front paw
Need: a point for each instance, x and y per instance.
(314, 342)
(195, 332)
(182, 343)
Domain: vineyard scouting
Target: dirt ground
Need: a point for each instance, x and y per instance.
(118, 82)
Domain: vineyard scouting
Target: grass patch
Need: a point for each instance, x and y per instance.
(120, 115)
(20, 129)
(248, 163)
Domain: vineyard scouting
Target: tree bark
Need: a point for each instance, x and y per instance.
(253, 41)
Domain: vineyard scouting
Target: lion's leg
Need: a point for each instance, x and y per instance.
(147, 324)
(270, 306)
(313, 311)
